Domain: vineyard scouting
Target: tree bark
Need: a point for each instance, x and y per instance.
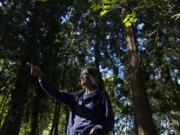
(3, 103)
(12, 121)
(54, 128)
(35, 114)
(144, 122)
(171, 100)
(67, 117)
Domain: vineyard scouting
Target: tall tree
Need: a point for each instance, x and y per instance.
(143, 115)
(144, 122)
(12, 121)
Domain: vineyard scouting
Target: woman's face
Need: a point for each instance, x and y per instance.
(85, 79)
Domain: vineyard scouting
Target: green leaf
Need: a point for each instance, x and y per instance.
(96, 7)
(109, 1)
(129, 19)
(125, 20)
(106, 1)
(128, 24)
(133, 15)
(133, 20)
(104, 12)
(108, 7)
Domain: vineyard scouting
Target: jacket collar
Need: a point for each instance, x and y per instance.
(90, 95)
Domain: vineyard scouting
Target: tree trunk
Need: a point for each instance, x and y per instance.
(67, 117)
(56, 121)
(35, 114)
(3, 103)
(144, 122)
(173, 97)
(12, 121)
(54, 128)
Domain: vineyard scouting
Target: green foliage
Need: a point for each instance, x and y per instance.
(103, 7)
(103, 12)
(130, 19)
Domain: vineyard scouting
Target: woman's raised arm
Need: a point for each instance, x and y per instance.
(49, 87)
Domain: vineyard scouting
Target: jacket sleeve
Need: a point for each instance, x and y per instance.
(107, 123)
(51, 90)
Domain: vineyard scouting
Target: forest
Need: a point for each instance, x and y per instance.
(135, 44)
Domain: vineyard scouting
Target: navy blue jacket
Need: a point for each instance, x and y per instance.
(87, 111)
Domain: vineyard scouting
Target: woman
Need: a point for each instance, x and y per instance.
(90, 108)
